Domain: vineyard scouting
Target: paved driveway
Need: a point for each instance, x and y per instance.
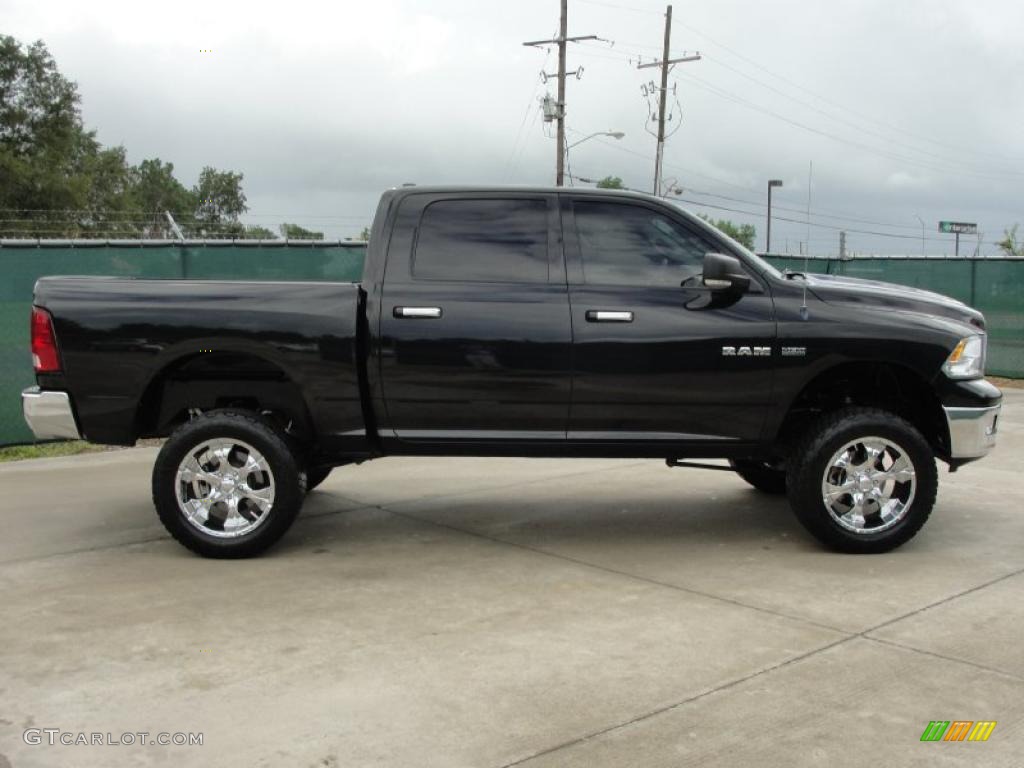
(486, 612)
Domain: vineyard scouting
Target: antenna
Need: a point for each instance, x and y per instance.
(804, 312)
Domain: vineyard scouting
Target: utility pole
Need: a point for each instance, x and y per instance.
(772, 183)
(561, 40)
(665, 64)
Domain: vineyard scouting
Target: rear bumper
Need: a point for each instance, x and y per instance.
(972, 431)
(49, 414)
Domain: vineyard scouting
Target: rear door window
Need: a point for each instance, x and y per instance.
(492, 240)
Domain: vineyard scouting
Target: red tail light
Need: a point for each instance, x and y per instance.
(45, 357)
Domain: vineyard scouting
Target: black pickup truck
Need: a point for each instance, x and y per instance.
(522, 322)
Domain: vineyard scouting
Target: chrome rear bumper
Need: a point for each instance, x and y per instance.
(49, 414)
(972, 431)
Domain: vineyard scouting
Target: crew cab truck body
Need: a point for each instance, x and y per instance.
(521, 322)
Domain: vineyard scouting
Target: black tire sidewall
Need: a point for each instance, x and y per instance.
(289, 482)
(812, 457)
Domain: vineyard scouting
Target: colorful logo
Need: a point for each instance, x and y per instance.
(958, 730)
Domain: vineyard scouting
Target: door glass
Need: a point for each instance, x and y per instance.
(624, 244)
(483, 240)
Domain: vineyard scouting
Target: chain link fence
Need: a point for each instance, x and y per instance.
(995, 286)
(23, 262)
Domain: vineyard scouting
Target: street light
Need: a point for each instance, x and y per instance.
(768, 235)
(613, 134)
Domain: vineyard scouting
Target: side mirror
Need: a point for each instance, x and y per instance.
(724, 273)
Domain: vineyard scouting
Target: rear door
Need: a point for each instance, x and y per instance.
(651, 356)
(475, 325)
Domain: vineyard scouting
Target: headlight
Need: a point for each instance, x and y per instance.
(967, 360)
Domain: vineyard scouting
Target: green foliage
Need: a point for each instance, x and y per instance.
(157, 190)
(1011, 245)
(256, 232)
(295, 232)
(364, 235)
(741, 233)
(56, 180)
(610, 182)
(219, 201)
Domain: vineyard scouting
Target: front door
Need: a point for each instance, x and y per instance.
(653, 359)
(475, 325)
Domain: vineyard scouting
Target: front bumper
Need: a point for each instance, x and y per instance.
(972, 431)
(49, 414)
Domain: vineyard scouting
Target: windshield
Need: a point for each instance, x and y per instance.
(751, 257)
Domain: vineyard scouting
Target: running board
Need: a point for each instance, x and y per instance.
(697, 465)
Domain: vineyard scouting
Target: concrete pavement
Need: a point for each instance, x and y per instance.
(497, 612)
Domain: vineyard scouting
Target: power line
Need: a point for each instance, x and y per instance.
(722, 93)
(837, 105)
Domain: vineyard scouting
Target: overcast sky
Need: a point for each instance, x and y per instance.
(906, 108)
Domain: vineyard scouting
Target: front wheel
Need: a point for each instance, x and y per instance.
(226, 484)
(862, 480)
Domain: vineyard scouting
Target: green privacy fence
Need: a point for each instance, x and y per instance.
(23, 262)
(995, 286)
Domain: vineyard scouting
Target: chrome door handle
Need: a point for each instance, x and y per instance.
(609, 316)
(417, 312)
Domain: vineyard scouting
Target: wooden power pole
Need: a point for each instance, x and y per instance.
(665, 64)
(561, 40)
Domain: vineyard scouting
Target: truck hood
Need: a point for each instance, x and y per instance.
(853, 290)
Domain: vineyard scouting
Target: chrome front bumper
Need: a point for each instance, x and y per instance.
(972, 431)
(49, 414)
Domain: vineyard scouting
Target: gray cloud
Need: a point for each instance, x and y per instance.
(323, 106)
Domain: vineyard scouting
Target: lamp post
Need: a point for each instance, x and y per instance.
(922, 232)
(768, 234)
(613, 134)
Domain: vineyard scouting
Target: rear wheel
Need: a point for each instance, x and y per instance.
(862, 480)
(761, 475)
(227, 485)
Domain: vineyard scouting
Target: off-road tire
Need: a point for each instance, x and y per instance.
(810, 459)
(288, 477)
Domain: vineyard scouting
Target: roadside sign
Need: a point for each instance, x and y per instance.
(958, 228)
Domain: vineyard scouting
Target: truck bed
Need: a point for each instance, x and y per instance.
(133, 349)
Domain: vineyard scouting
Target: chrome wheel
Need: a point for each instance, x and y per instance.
(225, 487)
(869, 485)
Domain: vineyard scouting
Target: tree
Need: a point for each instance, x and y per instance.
(364, 235)
(157, 190)
(610, 182)
(219, 202)
(257, 232)
(43, 144)
(741, 233)
(295, 232)
(1010, 244)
